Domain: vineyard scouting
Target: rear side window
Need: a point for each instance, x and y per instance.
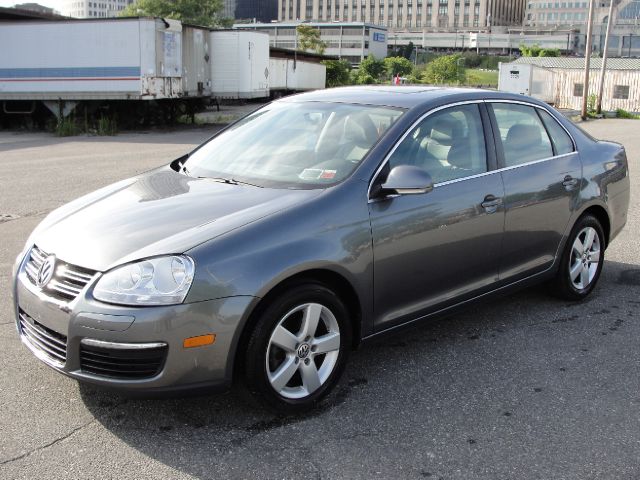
(524, 138)
(561, 140)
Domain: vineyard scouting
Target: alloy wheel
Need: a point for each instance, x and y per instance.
(303, 350)
(585, 257)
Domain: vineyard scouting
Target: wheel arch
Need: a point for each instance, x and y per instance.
(601, 214)
(328, 278)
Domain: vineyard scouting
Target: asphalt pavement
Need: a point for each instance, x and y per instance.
(524, 387)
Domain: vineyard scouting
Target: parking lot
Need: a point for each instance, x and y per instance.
(524, 387)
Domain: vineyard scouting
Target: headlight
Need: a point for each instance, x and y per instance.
(155, 281)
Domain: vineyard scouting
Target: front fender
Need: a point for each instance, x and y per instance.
(330, 232)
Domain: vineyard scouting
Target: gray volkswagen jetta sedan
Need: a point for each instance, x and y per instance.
(317, 222)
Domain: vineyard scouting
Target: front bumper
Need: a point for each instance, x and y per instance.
(54, 331)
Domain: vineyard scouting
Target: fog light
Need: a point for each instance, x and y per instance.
(199, 341)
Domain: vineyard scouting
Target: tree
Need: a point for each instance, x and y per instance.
(445, 69)
(535, 51)
(337, 72)
(407, 51)
(358, 77)
(309, 39)
(398, 66)
(530, 51)
(372, 66)
(549, 52)
(197, 12)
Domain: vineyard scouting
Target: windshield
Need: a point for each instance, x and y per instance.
(293, 145)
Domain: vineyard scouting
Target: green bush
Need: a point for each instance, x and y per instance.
(337, 72)
(107, 126)
(398, 66)
(446, 69)
(620, 113)
(66, 127)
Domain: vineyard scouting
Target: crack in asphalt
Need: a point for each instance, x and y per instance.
(50, 444)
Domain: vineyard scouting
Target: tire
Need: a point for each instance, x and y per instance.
(290, 365)
(581, 261)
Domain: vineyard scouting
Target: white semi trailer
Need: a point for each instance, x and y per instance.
(138, 58)
(292, 75)
(240, 64)
(137, 67)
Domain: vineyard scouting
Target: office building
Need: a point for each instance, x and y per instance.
(573, 16)
(443, 15)
(352, 41)
(91, 9)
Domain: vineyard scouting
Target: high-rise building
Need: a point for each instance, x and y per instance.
(543, 13)
(446, 15)
(91, 9)
(229, 8)
(253, 10)
(573, 16)
(260, 10)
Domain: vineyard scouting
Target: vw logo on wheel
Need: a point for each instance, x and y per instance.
(303, 350)
(45, 273)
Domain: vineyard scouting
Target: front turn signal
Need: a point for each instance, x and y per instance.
(199, 341)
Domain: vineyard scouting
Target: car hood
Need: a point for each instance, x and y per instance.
(160, 212)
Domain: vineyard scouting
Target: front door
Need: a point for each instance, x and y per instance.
(432, 249)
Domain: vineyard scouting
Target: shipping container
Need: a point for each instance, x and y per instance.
(239, 64)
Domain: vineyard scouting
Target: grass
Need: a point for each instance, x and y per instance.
(107, 126)
(620, 113)
(66, 127)
(481, 77)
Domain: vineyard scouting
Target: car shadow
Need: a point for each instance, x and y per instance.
(397, 376)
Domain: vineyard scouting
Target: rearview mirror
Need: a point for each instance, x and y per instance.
(408, 180)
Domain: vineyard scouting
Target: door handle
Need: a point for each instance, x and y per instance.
(491, 203)
(569, 182)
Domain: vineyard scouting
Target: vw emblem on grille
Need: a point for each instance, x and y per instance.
(303, 350)
(45, 273)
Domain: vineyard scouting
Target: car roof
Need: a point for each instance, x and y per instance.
(401, 96)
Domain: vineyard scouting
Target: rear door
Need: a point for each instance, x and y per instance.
(542, 175)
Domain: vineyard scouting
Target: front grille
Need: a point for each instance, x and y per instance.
(67, 281)
(122, 363)
(49, 342)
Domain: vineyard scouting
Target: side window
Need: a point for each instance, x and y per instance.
(524, 138)
(561, 140)
(448, 144)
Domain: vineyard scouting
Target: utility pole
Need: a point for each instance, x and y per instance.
(604, 58)
(587, 58)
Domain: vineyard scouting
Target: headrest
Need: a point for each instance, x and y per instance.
(522, 134)
(445, 131)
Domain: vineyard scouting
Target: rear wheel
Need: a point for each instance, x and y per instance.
(581, 261)
(298, 348)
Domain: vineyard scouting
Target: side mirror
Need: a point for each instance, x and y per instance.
(408, 180)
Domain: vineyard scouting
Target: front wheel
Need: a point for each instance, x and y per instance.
(581, 261)
(298, 348)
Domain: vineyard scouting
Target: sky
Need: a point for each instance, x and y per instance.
(57, 4)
